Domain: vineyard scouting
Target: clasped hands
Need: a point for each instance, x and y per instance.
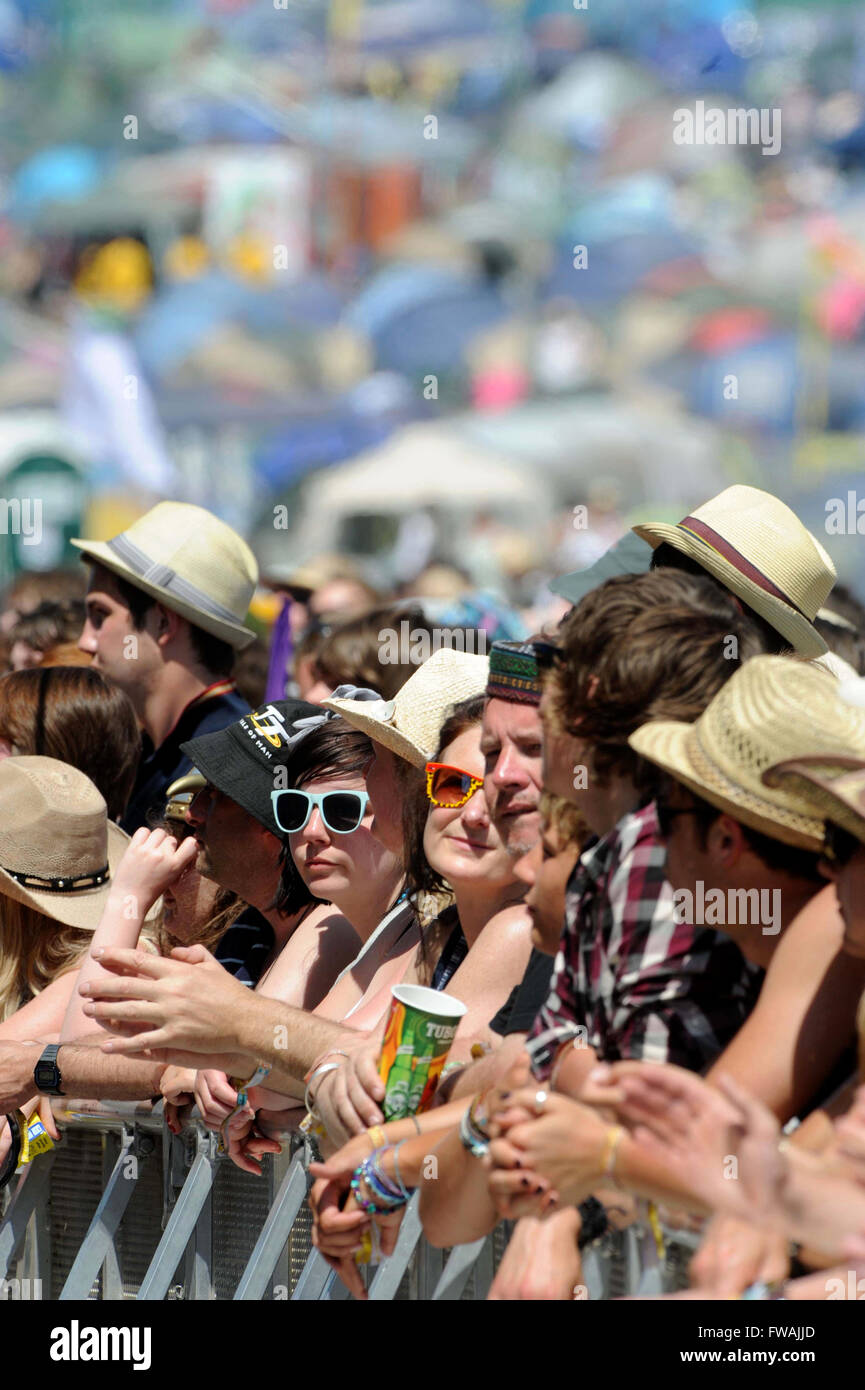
(549, 1149)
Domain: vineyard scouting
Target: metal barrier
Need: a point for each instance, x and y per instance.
(123, 1209)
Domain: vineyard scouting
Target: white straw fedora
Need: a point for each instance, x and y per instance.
(189, 560)
(772, 709)
(58, 849)
(834, 787)
(409, 724)
(759, 550)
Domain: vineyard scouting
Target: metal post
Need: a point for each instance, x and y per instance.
(182, 1221)
(314, 1278)
(457, 1271)
(388, 1276)
(32, 1190)
(99, 1240)
(274, 1233)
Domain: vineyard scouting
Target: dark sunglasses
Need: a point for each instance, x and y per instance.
(341, 811)
(449, 786)
(839, 846)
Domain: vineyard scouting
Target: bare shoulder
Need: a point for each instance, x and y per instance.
(511, 926)
(815, 934)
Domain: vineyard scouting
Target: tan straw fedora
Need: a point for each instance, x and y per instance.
(58, 849)
(759, 550)
(834, 787)
(409, 724)
(189, 560)
(770, 710)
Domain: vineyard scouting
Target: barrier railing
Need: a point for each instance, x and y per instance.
(123, 1209)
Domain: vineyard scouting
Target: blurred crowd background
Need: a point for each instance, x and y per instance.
(410, 283)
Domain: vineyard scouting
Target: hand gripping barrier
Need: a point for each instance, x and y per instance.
(122, 1208)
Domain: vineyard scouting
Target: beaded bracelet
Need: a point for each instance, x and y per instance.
(382, 1201)
(378, 1178)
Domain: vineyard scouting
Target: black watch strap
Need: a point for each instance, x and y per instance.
(46, 1073)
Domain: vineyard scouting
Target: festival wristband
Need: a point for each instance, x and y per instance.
(612, 1141)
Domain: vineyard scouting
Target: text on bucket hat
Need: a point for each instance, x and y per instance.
(759, 550)
(58, 849)
(241, 759)
(410, 723)
(771, 709)
(190, 561)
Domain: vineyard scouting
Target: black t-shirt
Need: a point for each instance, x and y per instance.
(161, 766)
(521, 1007)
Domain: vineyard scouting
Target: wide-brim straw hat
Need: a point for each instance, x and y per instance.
(759, 550)
(834, 787)
(772, 709)
(190, 561)
(58, 849)
(410, 723)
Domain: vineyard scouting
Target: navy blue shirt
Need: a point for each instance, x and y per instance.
(161, 766)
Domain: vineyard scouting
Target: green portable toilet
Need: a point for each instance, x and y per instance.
(43, 492)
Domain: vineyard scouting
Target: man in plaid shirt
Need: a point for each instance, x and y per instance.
(641, 985)
(633, 981)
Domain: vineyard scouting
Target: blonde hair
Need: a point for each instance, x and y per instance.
(34, 950)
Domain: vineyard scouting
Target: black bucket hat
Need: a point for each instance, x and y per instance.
(240, 760)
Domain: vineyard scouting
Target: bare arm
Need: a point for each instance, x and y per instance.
(805, 1015)
(455, 1204)
(43, 1016)
(495, 964)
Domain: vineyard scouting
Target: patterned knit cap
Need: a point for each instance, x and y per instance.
(514, 673)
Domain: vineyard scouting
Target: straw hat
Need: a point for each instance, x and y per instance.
(834, 787)
(409, 724)
(189, 560)
(58, 849)
(768, 711)
(759, 550)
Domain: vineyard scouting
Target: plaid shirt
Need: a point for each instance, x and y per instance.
(644, 986)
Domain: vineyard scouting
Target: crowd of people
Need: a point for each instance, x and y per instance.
(632, 846)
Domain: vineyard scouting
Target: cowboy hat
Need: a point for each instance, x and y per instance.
(190, 561)
(768, 711)
(58, 849)
(759, 550)
(410, 723)
(835, 787)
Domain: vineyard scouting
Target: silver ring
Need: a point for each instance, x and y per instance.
(540, 1099)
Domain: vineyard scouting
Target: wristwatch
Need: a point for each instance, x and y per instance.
(46, 1073)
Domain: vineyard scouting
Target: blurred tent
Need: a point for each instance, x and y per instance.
(400, 287)
(653, 452)
(350, 507)
(435, 336)
(179, 319)
(425, 465)
(615, 267)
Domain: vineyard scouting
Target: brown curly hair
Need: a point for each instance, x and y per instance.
(643, 647)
